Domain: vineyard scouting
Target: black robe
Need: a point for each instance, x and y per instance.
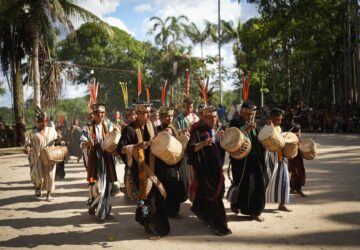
(174, 181)
(209, 180)
(251, 199)
(156, 223)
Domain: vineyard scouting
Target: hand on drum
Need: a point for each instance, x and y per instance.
(87, 144)
(207, 142)
(142, 145)
(250, 126)
(220, 135)
(169, 131)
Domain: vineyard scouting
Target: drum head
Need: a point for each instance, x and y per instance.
(307, 145)
(160, 143)
(232, 139)
(266, 132)
(290, 137)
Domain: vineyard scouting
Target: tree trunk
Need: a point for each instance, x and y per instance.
(18, 95)
(36, 70)
(357, 52)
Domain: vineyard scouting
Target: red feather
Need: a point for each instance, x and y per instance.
(187, 81)
(139, 81)
(163, 93)
(148, 94)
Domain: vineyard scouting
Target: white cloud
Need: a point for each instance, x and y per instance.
(74, 91)
(113, 21)
(143, 8)
(198, 12)
(103, 9)
(100, 8)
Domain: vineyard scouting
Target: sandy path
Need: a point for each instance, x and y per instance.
(329, 218)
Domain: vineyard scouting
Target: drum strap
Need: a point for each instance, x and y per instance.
(144, 170)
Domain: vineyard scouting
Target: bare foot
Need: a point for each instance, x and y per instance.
(49, 197)
(257, 218)
(282, 207)
(154, 237)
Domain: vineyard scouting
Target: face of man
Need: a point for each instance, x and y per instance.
(117, 115)
(246, 115)
(276, 120)
(188, 108)
(99, 116)
(143, 116)
(42, 124)
(211, 119)
(155, 116)
(131, 117)
(166, 120)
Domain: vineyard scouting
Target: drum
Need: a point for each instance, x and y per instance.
(167, 148)
(183, 139)
(236, 143)
(111, 141)
(291, 147)
(271, 140)
(52, 155)
(308, 149)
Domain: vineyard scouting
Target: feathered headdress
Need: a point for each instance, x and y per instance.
(204, 92)
(61, 120)
(139, 83)
(246, 86)
(40, 115)
(148, 93)
(124, 91)
(93, 89)
(163, 93)
(187, 82)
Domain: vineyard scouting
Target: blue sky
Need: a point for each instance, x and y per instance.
(133, 16)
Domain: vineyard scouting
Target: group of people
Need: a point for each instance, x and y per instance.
(157, 187)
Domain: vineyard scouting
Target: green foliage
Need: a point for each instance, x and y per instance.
(68, 108)
(7, 115)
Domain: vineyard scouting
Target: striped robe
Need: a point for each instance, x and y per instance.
(277, 178)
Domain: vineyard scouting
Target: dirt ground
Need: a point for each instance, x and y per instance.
(328, 218)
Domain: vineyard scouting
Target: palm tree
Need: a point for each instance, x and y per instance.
(234, 34)
(13, 44)
(169, 28)
(197, 36)
(43, 16)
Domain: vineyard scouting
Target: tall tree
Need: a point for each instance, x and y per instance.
(44, 15)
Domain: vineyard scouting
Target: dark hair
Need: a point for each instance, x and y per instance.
(296, 128)
(276, 112)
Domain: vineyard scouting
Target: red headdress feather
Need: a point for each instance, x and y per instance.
(187, 81)
(163, 92)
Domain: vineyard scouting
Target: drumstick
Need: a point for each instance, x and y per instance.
(289, 131)
(253, 116)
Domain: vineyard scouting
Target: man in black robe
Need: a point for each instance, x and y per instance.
(207, 158)
(251, 198)
(135, 152)
(174, 180)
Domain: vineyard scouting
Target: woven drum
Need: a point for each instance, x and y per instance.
(290, 150)
(236, 143)
(52, 155)
(167, 148)
(183, 139)
(111, 141)
(271, 140)
(308, 149)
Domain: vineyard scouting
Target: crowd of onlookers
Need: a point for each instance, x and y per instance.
(332, 119)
